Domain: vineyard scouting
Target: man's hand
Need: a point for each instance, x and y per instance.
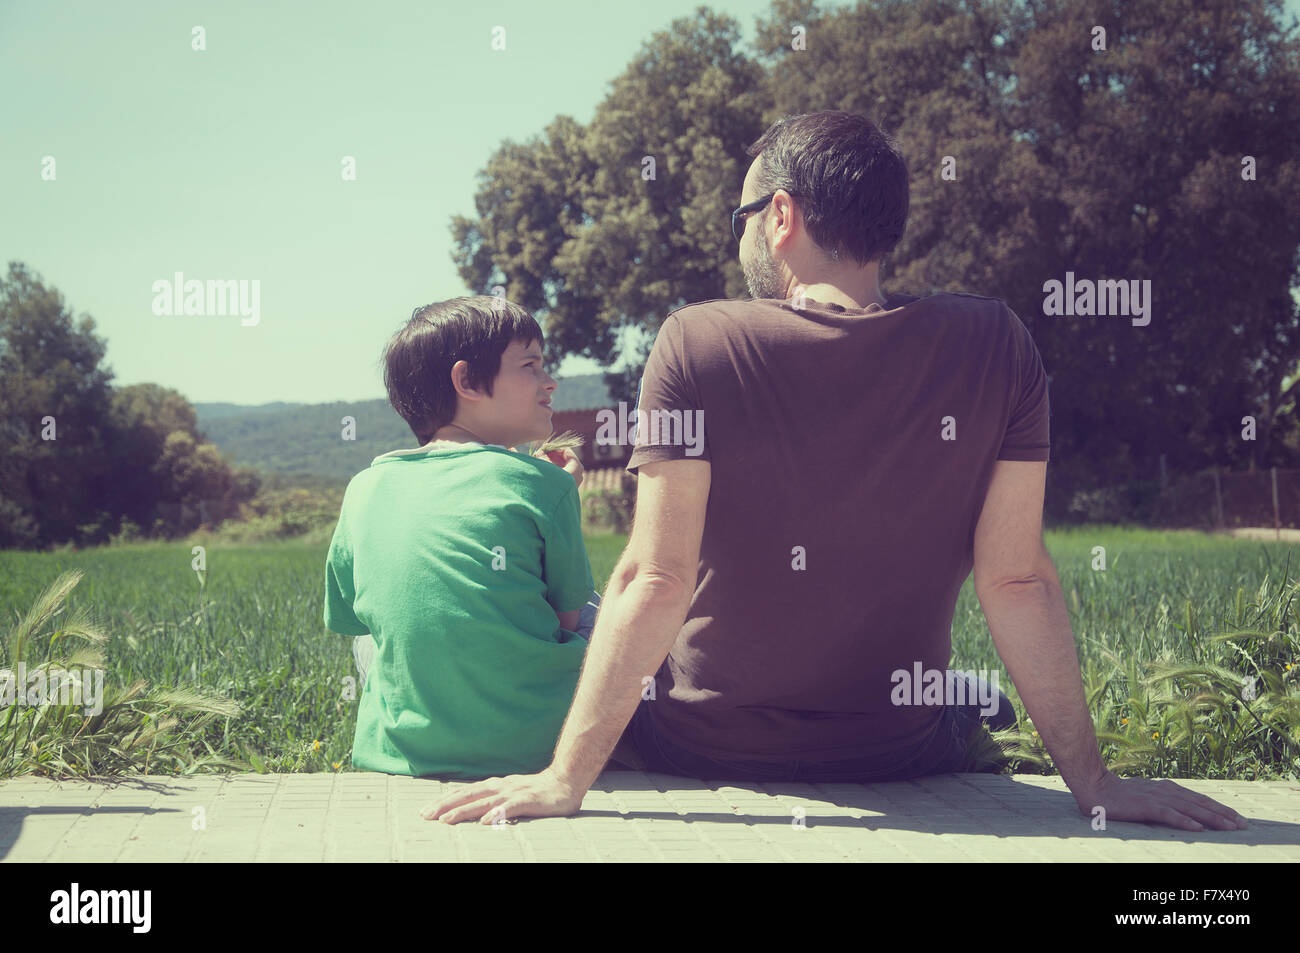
(1157, 802)
(543, 794)
(567, 461)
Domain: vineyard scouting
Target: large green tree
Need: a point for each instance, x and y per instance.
(1078, 136)
(1109, 155)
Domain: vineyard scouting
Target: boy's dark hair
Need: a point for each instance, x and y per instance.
(419, 358)
(846, 174)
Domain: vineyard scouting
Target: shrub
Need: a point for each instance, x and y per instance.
(128, 531)
(610, 507)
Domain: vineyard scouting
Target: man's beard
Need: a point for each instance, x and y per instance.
(762, 277)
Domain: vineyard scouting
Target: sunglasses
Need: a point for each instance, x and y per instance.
(738, 216)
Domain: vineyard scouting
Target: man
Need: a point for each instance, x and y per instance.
(783, 590)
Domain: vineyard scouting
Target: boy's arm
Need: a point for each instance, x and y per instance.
(340, 589)
(564, 561)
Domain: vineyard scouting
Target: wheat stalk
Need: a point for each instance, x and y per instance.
(569, 440)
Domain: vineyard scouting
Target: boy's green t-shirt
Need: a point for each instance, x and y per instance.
(456, 561)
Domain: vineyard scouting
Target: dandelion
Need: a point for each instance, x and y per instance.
(315, 746)
(336, 765)
(1123, 721)
(1155, 734)
(1288, 666)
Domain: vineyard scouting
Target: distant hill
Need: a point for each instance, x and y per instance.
(296, 439)
(218, 411)
(306, 439)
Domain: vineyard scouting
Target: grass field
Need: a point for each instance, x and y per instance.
(1171, 635)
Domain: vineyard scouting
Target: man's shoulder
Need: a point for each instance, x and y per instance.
(985, 315)
(721, 315)
(711, 302)
(962, 302)
(712, 306)
(942, 300)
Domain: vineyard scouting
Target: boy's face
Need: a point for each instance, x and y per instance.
(519, 409)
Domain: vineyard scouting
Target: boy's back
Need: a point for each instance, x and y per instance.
(456, 560)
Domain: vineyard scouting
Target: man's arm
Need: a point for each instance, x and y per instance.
(1032, 634)
(641, 613)
(1021, 596)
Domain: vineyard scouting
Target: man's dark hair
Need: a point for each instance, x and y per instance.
(846, 175)
(419, 358)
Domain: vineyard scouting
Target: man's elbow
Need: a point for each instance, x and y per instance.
(671, 581)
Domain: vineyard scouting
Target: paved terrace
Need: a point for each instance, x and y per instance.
(627, 816)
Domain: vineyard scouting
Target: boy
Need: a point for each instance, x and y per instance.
(462, 559)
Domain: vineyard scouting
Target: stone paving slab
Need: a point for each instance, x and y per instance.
(627, 816)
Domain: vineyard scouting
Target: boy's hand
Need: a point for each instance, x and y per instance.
(567, 461)
(498, 800)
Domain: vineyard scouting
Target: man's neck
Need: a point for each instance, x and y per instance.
(858, 295)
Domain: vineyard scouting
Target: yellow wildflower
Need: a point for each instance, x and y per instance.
(1123, 721)
(315, 746)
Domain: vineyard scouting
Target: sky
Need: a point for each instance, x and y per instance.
(226, 164)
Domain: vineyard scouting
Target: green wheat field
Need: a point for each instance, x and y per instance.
(1189, 645)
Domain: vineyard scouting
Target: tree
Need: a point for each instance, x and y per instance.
(614, 225)
(1118, 163)
(1169, 113)
(54, 400)
(78, 457)
(1127, 156)
(160, 457)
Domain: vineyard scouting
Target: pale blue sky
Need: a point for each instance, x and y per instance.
(225, 164)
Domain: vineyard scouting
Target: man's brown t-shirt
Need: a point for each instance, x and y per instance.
(850, 454)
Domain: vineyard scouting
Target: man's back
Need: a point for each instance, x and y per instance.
(850, 455)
